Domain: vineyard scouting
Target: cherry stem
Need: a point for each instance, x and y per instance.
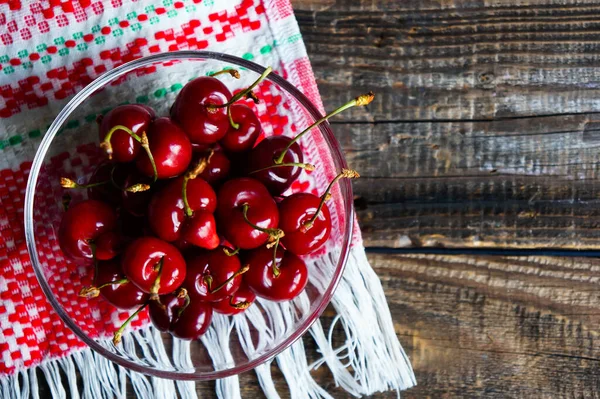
(138, 188)
(119, 332)
(358, 101)
(274, 234)
(242, 270)
(305, 166)
(93, 292)
(232, 72)
(239, 305)
(228, 252)
(183, 294)
(275, 267)
(65, 182)
(345, 173)
(107, 146)
(241, 94)
(146, 147)
(156, 284)
(191, 175)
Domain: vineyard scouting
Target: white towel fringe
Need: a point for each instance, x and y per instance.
(370, 358)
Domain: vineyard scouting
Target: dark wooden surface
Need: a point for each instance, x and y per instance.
(484, 133)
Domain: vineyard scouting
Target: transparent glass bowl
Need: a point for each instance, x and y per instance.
(70, 148)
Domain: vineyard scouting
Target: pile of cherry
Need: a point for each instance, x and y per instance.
(186, 215)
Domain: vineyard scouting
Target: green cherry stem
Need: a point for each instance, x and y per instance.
(156, 284)
(65, 182)
(93, 292)
(119, 332)
(146, 147)
(242, 270)
(274, 234)
(345, 173)
(191, 175)
(107, 146)
(239, 305)
(232, 72)
(229, 252)
(275, 266)
(305, 166)
(182, 293)
(358, 101)
(240, 95)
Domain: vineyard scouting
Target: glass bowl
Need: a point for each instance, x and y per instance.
(70, 148)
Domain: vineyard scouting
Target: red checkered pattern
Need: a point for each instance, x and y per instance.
(30, 331)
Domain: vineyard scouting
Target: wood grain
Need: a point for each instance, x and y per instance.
(484, 130)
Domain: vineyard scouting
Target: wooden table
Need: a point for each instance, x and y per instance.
(484, 134)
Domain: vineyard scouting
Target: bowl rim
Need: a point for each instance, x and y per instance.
(101, 81)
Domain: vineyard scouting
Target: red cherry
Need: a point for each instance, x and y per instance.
(165, 311)
(294, 212)
(191, 110)
(262, 212)
(105, 192)
(217, 168)
(249, 128)
(201, 230)
(193, 321)
(213, 275)
(134, 117)
(108, 245)
(170, 148)
(166, 210)
(148, 258)
(236, 303)
(279, 178)
(81, 225)
(122, 296)
(289, 283)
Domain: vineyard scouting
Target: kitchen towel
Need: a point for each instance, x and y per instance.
(49, 50)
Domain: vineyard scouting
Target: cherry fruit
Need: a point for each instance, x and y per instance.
(248, 129)
(193, 321)
(280, 281)
(277, 178)
(217, 168)
(236, 303)
(134, 117)
(122, 293)
(81, 225)
(194, 110)
(247, 214)
(170, 148)
(154, 266)
(213, 275)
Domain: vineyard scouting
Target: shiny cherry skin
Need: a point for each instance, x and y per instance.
(133, 116)
(296, 210)
(236, 303)
(141, 260)
(260, 278)
(201, 230)
(122, 296)
(243, 138)
(81, 225)
(262, 211)
(191, 111)
(277, 179)
(170, 147)
(165, 311)
(108, 245)
(219, 267)
(193, 322)
(106, 192)
(168, 219)
(217, 168)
